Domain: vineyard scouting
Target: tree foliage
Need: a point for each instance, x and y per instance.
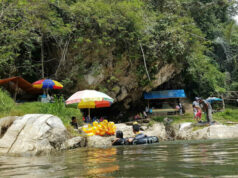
(70, 36)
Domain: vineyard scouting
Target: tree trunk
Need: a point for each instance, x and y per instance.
(64, 51)
(145, 62)
(42, 56)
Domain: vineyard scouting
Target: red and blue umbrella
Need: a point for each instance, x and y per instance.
(47, 84)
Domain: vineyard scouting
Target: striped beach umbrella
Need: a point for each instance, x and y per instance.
(89, 96)
(47, 84)
(90, 99)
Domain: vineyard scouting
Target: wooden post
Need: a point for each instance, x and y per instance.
(89, 114)
(16, 91)
(42, 56)
(223, 102)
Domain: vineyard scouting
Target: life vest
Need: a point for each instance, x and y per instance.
(120, 141)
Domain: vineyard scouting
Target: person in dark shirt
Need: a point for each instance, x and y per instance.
(74, 122)
(119, 138)
(136, 131)
(207, 108)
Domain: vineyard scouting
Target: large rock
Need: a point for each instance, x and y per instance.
(187, 132)
(75, 142)
(158, 130)
(216, 132)
(5, 123)
(34, 133)
(126, 129)
(99, 142)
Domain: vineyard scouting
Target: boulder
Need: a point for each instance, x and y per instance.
(157, 129)
(126, 129)
(185, 125)
(216, 132)
(99, 142)
(34, 133)
(219, 131)
(183, 131)
(75, 142)
(5, 123)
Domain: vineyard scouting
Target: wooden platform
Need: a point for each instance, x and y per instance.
(165, 111)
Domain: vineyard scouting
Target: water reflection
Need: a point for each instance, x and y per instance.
(101, 161)
(168, 159)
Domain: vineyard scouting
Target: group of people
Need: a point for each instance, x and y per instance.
(120, 140)
(87, 119)
(139, 116)
(180, 108)
(200, 105)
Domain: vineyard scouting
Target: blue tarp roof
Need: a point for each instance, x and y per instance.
(164, 94)
(213, 99)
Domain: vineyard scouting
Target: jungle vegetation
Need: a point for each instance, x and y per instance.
(54, 38)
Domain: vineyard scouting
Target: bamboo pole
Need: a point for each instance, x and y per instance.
(145, 62)
(16, 91)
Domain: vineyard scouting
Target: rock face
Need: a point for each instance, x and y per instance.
(5, 123)
(216, 132)
(185, 131)
(75, 142)
(158, 130)
(120, 81)
(126, 129)
(99, 142)
(34, 133)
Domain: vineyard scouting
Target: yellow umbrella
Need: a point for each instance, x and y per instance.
(86, 104)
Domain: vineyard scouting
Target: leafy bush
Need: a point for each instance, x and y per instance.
(57, 108)
(6, 102)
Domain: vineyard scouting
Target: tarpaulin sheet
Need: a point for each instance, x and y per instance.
(165, 94)
(23, 84)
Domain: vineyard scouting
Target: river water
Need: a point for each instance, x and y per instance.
(216, 158)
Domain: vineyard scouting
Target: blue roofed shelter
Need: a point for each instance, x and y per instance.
(164, 101)
(165, 94)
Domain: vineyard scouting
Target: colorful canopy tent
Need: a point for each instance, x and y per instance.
(165, 94)
(16, 83)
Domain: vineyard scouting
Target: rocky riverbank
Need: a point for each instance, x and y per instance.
(34, 134)
(37, 133)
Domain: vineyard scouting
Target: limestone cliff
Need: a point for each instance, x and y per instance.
(118, 78)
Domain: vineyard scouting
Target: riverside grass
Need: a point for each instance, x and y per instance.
(6, 102)
(230, 114)
(9, 108)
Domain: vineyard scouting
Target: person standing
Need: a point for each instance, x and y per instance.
(207, 108)
(195, 106)
(180, 107)
(197, 110)
(74, 123)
